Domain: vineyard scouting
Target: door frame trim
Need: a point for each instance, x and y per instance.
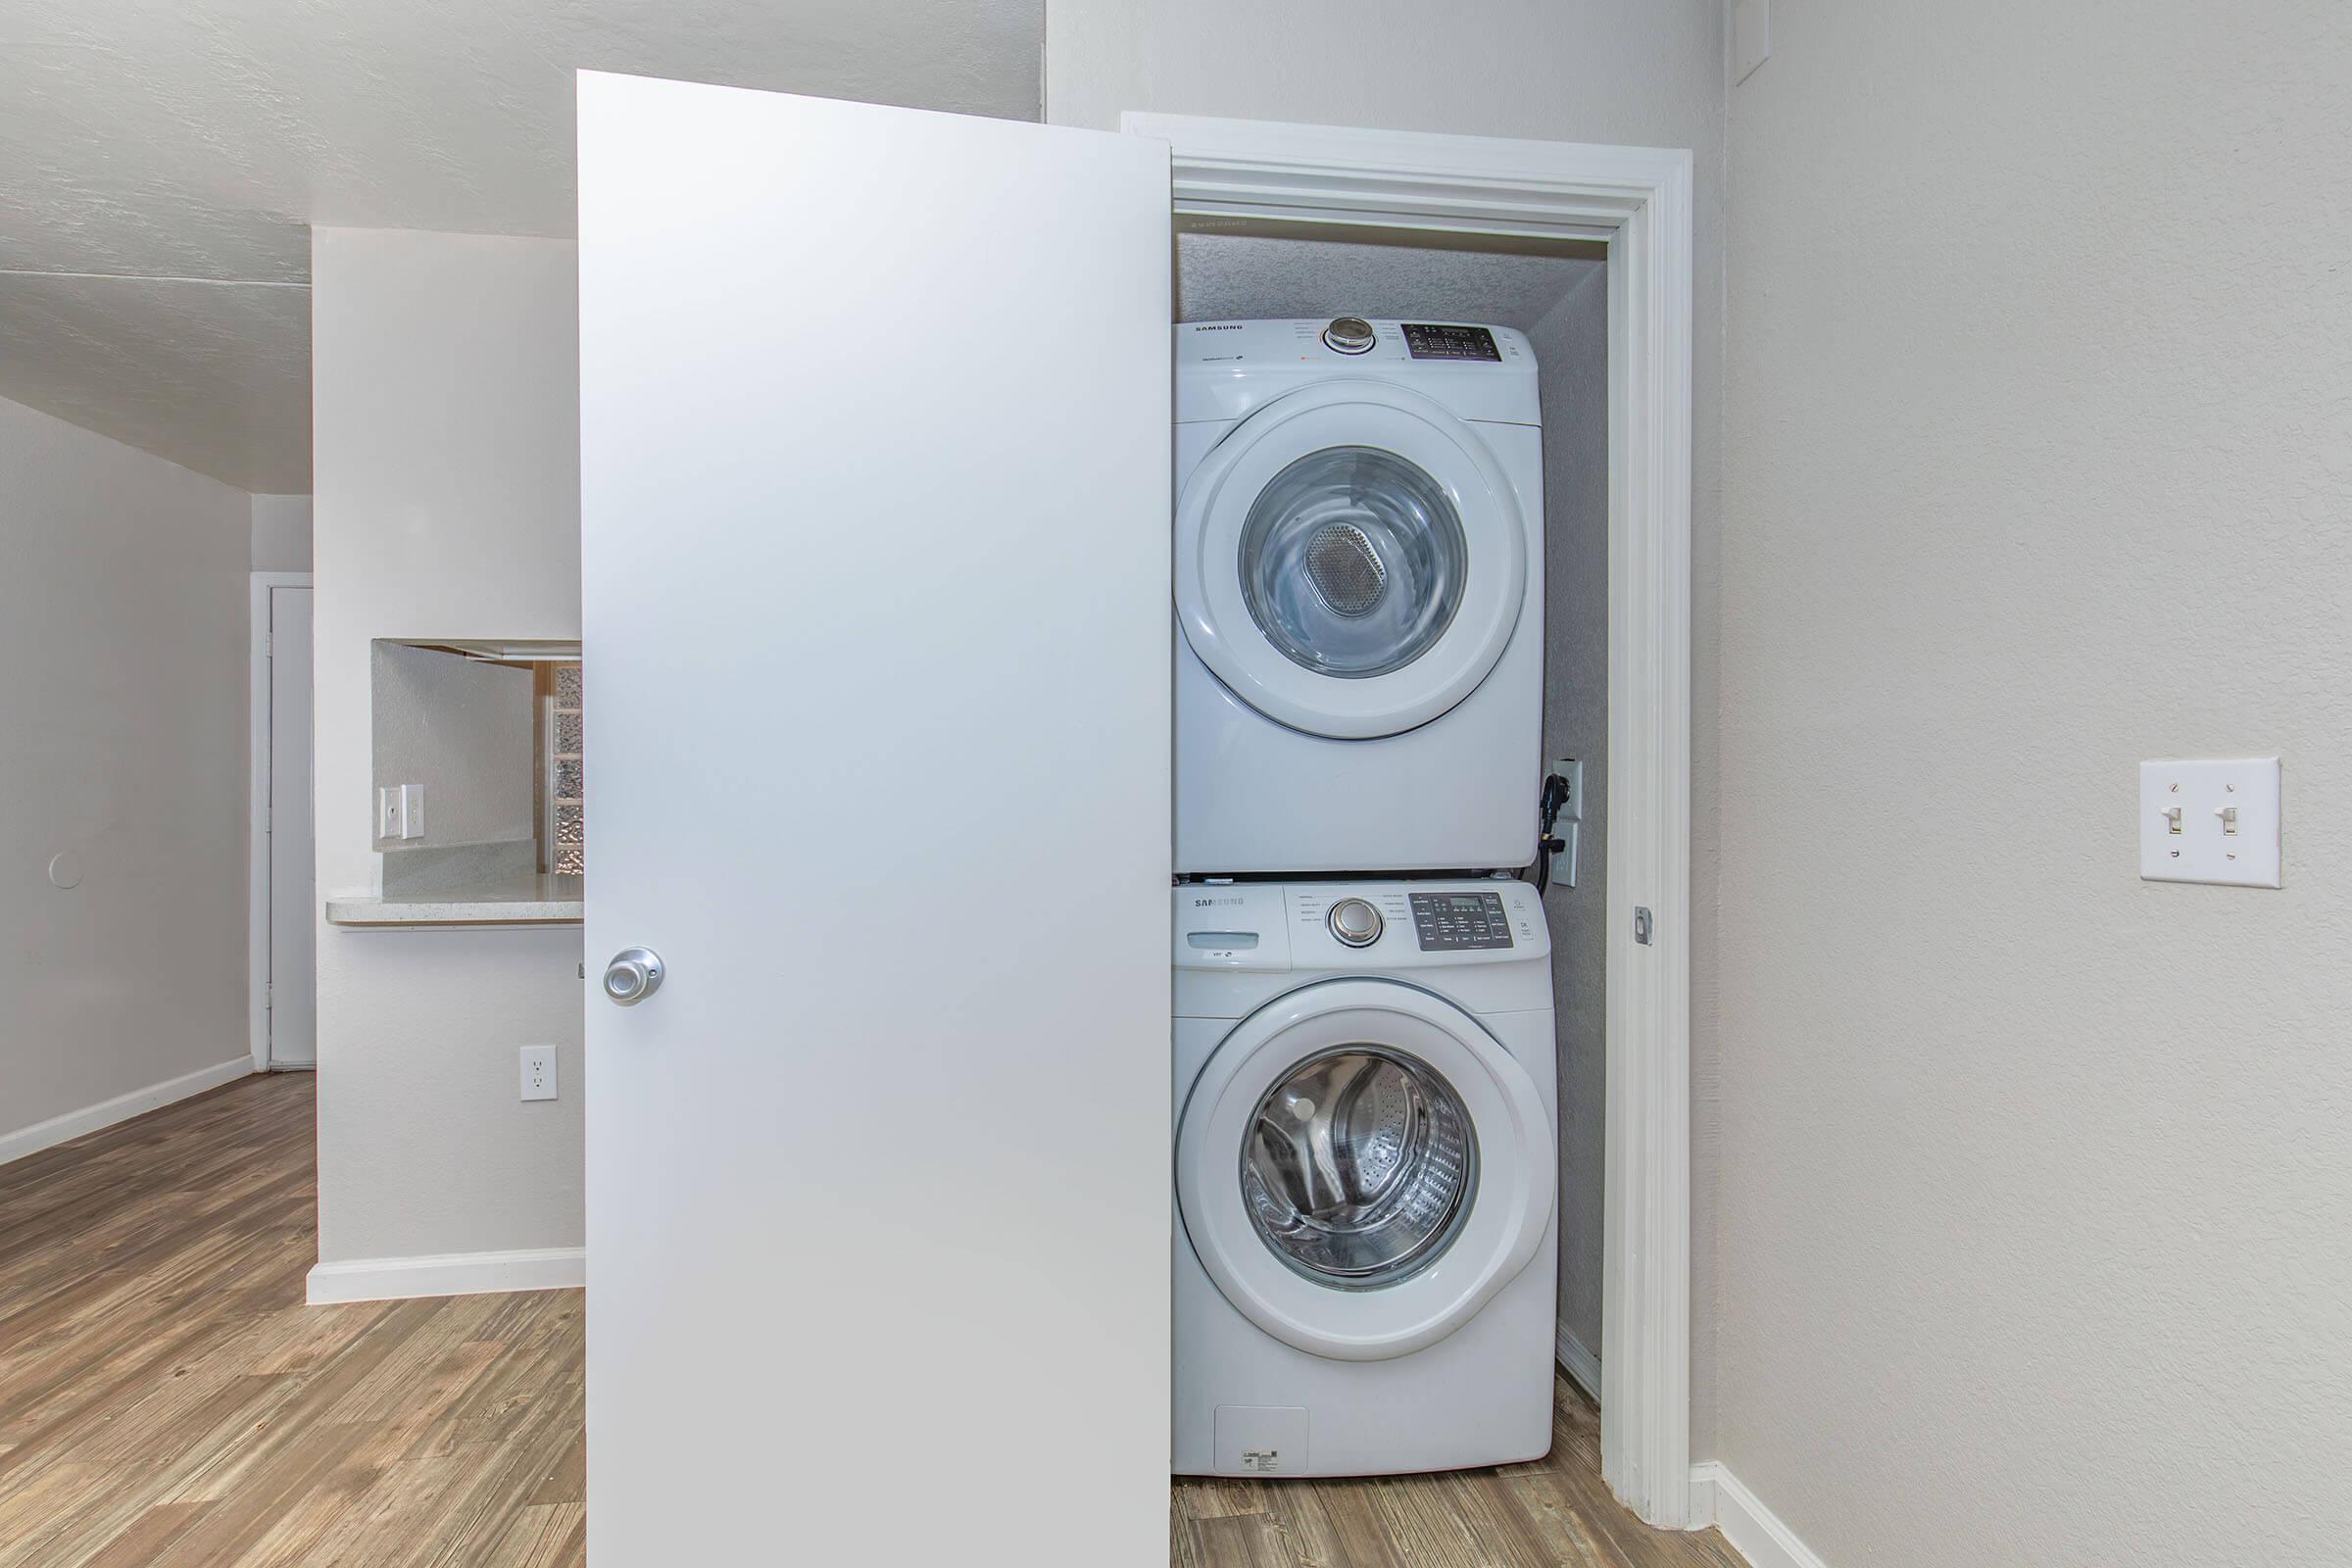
(257, 809)
(1636, 201)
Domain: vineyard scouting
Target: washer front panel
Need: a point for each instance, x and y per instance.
(1508, 1204)
(1214, 605)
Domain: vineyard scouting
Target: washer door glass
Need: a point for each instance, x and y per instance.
(1352, 561)
(1358, 1167)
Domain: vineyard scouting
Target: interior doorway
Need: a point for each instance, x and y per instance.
(283, 907)
(1517, 205)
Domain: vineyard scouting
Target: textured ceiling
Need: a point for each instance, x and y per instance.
(1223, 277)
(161, 162)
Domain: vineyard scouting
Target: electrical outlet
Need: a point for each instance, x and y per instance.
(538, 1073)
(387, 812)
(1572, 810)
(411, 811)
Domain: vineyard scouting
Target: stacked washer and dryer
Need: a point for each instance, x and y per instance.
(1364, 1056)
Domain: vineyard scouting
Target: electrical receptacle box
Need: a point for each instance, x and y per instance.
(538, 1073)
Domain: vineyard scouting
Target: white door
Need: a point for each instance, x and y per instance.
(293, 909)
(874, 460)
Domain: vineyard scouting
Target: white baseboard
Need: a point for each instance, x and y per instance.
(1581, 1365)
(90, 1118)
(397, 1278)
(1752, 1529)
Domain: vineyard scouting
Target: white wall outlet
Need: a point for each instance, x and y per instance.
(2210, 821)
(387, 812)
(538, 1073)
(411, 811)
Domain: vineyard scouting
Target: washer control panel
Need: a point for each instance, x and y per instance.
(1425, 340)
(1451, 922)
(1357, 927)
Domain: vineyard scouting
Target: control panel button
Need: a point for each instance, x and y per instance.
(1448, 922)
(1349, 335)
(1356, 922)
(1423, 341)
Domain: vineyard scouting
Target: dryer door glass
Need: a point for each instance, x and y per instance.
(1358, 1167)
(1352, 561)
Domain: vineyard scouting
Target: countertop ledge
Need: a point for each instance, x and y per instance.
(532, 900)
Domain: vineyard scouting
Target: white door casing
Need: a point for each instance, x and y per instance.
(874, 451)
(282, 907)
(1637, 201)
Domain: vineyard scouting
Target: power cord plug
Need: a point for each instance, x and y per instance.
(1547, 816)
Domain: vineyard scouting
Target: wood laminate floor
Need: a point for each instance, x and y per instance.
(167, 1400)
(1555, 1511)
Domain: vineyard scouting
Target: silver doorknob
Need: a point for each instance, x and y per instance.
(1356, 922)
(634, 974)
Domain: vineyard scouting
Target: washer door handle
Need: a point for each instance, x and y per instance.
(634, 974)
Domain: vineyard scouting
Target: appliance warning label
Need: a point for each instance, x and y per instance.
(1261, 1461)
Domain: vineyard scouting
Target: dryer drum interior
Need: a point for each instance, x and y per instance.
(1352, 561)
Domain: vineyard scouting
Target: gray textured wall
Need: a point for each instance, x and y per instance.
(124, 635)
(446, 449)
(1572, 350)
(2036, 1181)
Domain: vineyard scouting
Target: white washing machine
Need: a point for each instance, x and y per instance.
(1360, 597)
(1365, 1237)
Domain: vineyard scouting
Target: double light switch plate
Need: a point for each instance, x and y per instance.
(2210, 821)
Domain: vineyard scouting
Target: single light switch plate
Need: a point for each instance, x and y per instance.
(538, 1073)
(2210, 821)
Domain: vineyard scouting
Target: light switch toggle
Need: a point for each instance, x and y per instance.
(2214, 820)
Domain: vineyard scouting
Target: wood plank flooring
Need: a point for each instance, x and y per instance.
(167, 1400)
(1554, 1512)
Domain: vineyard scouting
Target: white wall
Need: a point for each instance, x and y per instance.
(281, 533)
(1645, 73)
(2036, 1181)
(446, 475)
(123, 636)
(459, 730)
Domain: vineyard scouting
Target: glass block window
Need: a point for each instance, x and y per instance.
(564, 775)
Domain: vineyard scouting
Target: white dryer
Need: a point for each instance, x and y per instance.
(1365, 1237)
(1360, 597)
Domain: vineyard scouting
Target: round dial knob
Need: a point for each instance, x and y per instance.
(1349, 335)
(1356, 922)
